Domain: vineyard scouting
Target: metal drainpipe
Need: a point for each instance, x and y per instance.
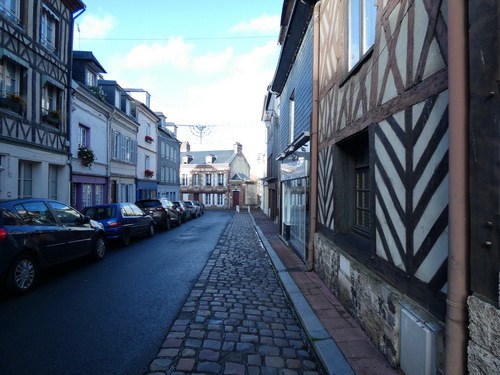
(456, 334)
(314, 138)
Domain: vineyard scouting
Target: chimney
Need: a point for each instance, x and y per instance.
(185, 147)
(238, 148)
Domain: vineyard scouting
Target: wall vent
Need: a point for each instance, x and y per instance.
(417, 345)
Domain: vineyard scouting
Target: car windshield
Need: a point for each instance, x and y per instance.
(100, 213)
(146, 204)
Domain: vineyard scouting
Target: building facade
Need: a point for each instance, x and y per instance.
(168, 156)
(405, 175)
(35, 81)
(89, 134)
(206, 175)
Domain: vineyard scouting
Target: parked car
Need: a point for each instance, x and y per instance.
(122, 221)
(184, 210)
(201, 206)
(162, 210)
(38, 233)
(195, 210)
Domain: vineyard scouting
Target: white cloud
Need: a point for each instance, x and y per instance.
(264, 24)
(213, 62)
(92, 27)
(175, 53)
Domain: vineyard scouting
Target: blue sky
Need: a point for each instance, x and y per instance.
(203, 62)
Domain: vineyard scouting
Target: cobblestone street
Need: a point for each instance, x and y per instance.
(237, 319)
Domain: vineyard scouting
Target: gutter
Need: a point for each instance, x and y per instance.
(314, 139)
(456, 334)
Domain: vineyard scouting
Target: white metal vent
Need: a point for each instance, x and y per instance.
(417, 345)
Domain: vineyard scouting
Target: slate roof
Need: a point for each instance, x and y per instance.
(240, 176)
(199, 157)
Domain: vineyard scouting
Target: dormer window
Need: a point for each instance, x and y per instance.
(118, 99)
(209, 159)
(90, 78)
(187, 159)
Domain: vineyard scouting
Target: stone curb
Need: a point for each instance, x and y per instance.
(323, 345)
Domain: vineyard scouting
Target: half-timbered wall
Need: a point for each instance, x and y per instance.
(393, 103)
(20, 43)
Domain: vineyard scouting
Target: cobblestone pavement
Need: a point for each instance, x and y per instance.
(237, 319)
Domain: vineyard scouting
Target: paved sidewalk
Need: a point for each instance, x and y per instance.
(362, 355)
(237, 319)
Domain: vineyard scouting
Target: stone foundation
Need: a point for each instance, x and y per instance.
(484, 337)
(374, 303)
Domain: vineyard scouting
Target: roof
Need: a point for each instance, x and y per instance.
(240, 176)
(221, 156)
(88, 56)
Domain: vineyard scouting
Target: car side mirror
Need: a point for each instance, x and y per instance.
(86, 219)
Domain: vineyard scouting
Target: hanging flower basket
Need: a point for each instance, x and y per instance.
(86, 156)
(149, 173)
(149, 139)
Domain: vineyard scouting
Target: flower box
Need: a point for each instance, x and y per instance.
(86, 156)
(148, 173)
(149, 139)
(12, 103)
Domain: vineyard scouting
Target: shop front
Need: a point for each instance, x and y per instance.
(295, 199)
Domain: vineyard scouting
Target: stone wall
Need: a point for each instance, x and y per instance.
(484, 337)
(374, 303)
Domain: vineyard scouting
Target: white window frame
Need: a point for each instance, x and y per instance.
(361, 33)
(83, 135)
(25, 179)
(50, 98)
(53, 181)
(49, 24)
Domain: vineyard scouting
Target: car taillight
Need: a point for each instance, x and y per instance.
(160, 209)
(116, 224)
(3, 234)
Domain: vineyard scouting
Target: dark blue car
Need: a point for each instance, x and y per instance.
(38, 233)
(121, 221)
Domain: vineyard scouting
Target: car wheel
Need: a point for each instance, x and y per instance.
(23, 274)
(125, 238)
(99, 248)
(151, 231)
(167, 223)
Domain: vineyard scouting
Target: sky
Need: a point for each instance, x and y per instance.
(203, 63)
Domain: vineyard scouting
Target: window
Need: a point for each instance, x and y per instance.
(53, 169)
(185, 181)
(10, 8)
(48, 29)
(9, 77)
(148, 129)
(208, 200)
(99, 194)
(147, 162)
(51, 104)
(35, 213)
(362, 221)
(220, 179)
(25, 180)
(196, 180)
(66, 214)
(124, 148)
(352, 198)
(362, 18)
(90, 78)
(86, 195)
(208, 179)
(220, 199)
(83, 136)
(291, 118)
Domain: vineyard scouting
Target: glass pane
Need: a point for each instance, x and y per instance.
(354, 32)
(66, 214)
(370, 18)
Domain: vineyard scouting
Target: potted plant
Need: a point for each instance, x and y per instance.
(149, 173)
(52, 117)
(149, 139)
(86, 156)
(12, 102)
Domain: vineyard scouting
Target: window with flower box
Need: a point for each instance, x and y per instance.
(51, 104)
(11, 10)
(11, 87)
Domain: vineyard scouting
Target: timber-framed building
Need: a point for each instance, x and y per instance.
(35, 52)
